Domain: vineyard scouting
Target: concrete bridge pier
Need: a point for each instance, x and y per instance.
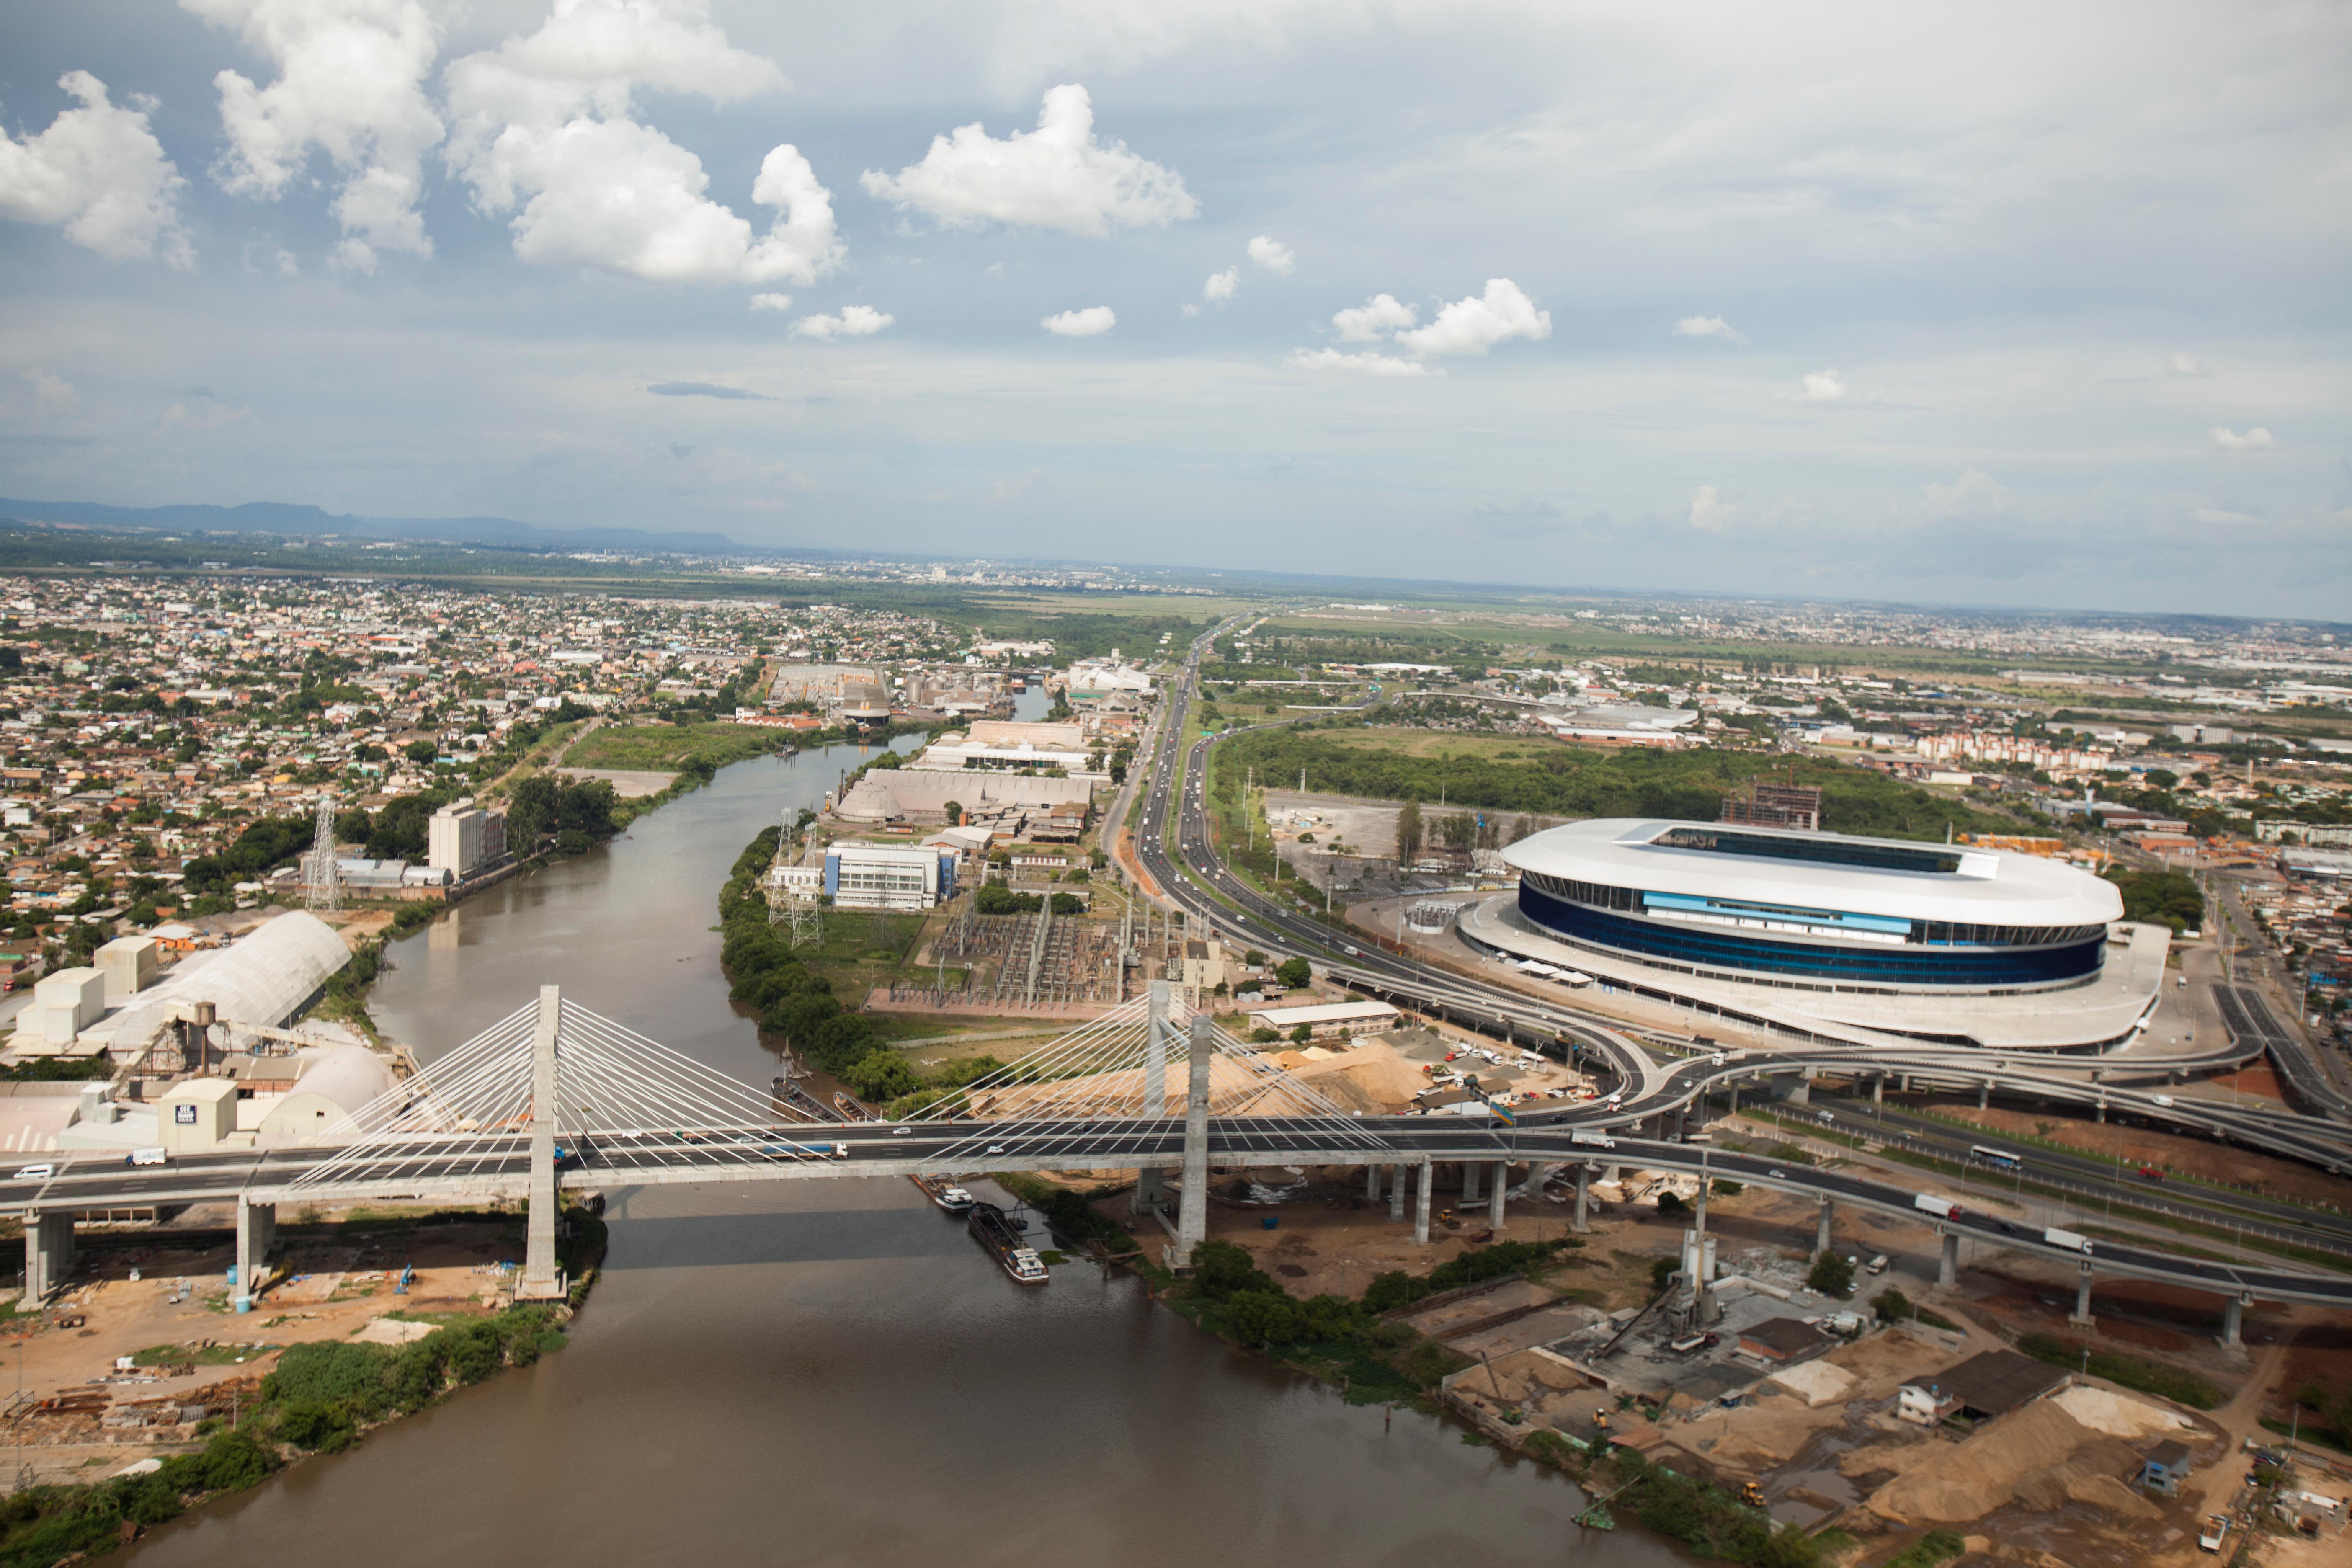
(1822, 1227)
(1421, 1202)
(1502, 1181)
(257, 1232)
(541, 1280)
(1372, 1182)
(1192, 1204)
(49, 1252)
(1396, 1192)
(2233, 1320)
(1803, 1093)
(1583, 1197)
(2103, 1111)
(1471, 1170)
(2082, 1315)
(1947, 1264)
(1878, 1088)
(1984, 1093)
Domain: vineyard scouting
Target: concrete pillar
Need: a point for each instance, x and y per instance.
(1698, 1218)
(1583, 1197)
(1822, 1228)
(1878, 1088)
(1421, 1202)
(49, 1253)
(1803, 1093)
(1193, 1208)
(539, 1281)
(257, 1230)
(2082, 1318)
(1396, 1192)
(2103, 1111)
(1948, 1266)
(1372, 1182)
(1502, 1181)
(1471, 1170)
(2234, 1318)
(1151, 1182)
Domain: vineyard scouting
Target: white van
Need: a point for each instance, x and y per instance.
(1878, 1264)
(154, 1156)
(34, 1172)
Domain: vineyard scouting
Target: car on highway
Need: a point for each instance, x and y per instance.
(901, 1132)
(34, 1172)
(994, 1149)
(1776, 1171)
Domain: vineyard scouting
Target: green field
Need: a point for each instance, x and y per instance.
(670, 748)
(1527, 773)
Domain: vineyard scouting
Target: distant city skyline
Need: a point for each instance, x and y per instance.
(1965, 305)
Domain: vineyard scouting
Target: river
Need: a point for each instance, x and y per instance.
(829, 1372)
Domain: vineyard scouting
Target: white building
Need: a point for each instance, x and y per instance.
(889, 876)
(461, 838)
(1329, 1018)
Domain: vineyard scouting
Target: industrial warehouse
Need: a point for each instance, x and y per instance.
(1868, 941)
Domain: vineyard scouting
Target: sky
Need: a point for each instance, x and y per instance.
(1983, 303)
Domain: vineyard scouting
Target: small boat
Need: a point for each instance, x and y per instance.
(1596, 1518)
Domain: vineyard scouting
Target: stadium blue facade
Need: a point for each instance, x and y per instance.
(2072, 953)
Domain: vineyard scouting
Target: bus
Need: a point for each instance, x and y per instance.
(1997, 1159)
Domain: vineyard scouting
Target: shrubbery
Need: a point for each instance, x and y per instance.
(2147, 1376)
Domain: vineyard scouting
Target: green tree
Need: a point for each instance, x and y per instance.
(1892, 1306)
(1408, 832)
(1295, 972)
(1831, 1274)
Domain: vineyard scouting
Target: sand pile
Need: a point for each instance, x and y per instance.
(1755, 1438)
(1967, 1480)
(1882, 1364)
(2119, 1414)
(1372, 1071)
(1900, 1458)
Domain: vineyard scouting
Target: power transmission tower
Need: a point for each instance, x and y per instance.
(804, 918)
(324, 874)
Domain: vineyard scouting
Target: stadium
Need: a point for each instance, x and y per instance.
(1870, 940)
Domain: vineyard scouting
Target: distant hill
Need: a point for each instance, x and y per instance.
(315, 522)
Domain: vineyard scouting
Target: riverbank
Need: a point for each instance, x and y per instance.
(176, 1419)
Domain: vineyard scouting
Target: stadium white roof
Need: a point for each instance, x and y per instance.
(1886, 877)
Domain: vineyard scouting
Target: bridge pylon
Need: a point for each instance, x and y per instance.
(1193, 1205)
(541, 1280)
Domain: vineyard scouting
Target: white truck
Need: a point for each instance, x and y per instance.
(2067, 1239)
(1941, 1208)
(1585, 1139)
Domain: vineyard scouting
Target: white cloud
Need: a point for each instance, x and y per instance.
(1708, 327)
(772, 301)
(545, 123)
(2187, 365)
(1357, 364)
(1710, 512)
(2256, 439)
(1365, 323)
(1220, 285)
(1974, 493)
(1057, 176)
(52, 390)
(854, 321)
(1473, 325)
(350, 83)
(99, 171)
(1272, 255)
(2215, 514)
(1822, 386)
(1091, 322)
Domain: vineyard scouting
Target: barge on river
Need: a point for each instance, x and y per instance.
(993, 1230)
(945, 1193)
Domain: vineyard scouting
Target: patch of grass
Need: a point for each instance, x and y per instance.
(672, 748)
(2129, 1370)
(202, 1356)
(1935, 1547)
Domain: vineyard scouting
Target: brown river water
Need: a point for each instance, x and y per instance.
(831, 1372)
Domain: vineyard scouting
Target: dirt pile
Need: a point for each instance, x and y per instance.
(1757, 1438)
(2035, 1457)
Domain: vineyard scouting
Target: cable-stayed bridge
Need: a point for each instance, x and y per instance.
(556, 1096)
